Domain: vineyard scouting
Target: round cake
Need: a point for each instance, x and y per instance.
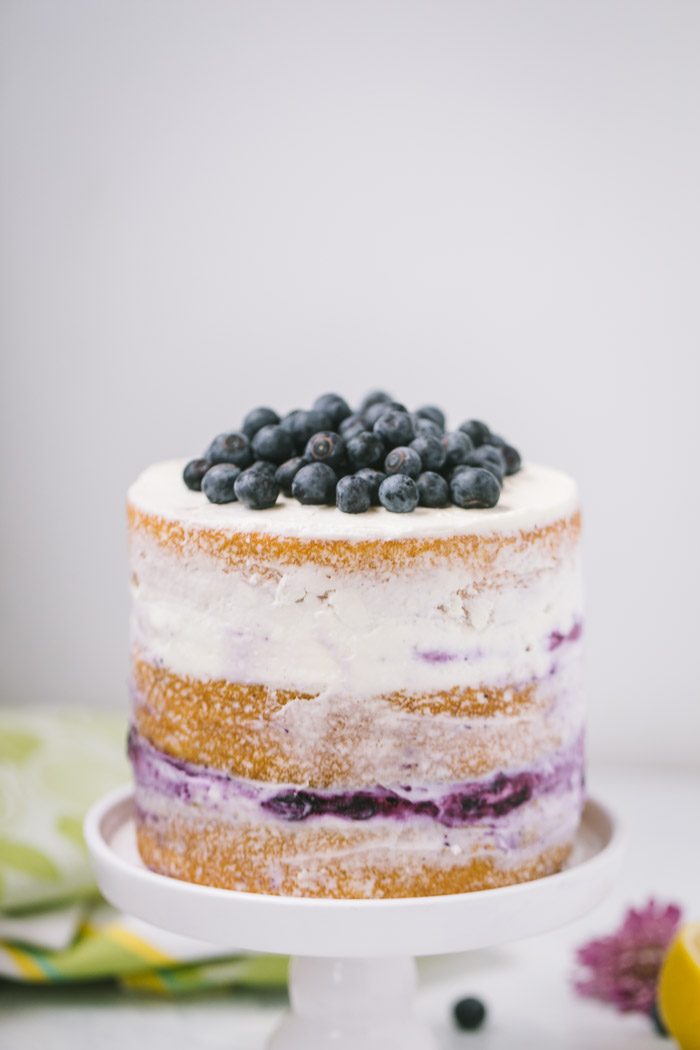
(356, 704)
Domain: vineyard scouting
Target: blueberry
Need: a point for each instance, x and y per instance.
(431, 451)
(427, 427)
(353, 495)
(374, 478)
(475, 487)
(334, 406)
(314, 484)
(373, 413)
(489, 457)
(287, 422)
(469, 1014)
(511, 456)
(265, 466)
(457, 447)
(257, 489)
(375, 397)
(476, 430)
(218, 483)
(364, 449)
(433, 490)
(434, 413)
(305, 424)
(284, 475)
(326, 447)
(258, 418)
(194, 472)
(398, 494)
(394, 428)
(352, 425)
(273, 443)
(403, 460)
(232, 447)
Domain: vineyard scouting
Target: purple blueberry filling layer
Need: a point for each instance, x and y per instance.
(452, 805)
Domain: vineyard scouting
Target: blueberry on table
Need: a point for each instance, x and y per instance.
(375, 397)
(326, 447)
(273, 443)
(232, 447)
(352, 495)
(394, 428)
(403, 460)
(218, 484)
(194, 472)
(314, 484)
(374, 478)
(457, 447)
(258, 418)
(399, 494)
(431, 450)
(469, 1014)
(475, 487)
(434, 413)
(364, 449)
(334, 406)
(476, 430)
(427, 427)
(285, 474)
(433, 490)
(256, 489)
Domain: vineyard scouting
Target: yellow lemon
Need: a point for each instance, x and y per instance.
(679, 987)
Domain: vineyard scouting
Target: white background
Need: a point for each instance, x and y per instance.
(207, 206)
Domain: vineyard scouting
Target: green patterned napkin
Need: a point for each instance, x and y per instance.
(53, 925)
(53, 765)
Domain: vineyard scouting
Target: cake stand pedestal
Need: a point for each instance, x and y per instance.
(352, 976)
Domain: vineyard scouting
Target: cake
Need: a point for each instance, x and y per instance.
(367, 704)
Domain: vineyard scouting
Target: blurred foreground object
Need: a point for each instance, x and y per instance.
(679, 987)
(54, 928)
(53, 765)
(623, 968)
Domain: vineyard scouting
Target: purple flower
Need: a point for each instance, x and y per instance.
(623, 969)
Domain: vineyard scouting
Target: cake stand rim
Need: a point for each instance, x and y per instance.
(351, 927)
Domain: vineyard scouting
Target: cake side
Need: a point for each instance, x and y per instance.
(302, 682)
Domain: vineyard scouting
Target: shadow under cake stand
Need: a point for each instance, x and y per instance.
(352, 976)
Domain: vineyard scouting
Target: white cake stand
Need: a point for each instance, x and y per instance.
(352, 975)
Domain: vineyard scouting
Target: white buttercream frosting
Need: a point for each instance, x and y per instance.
(310, 628)
(533, 497)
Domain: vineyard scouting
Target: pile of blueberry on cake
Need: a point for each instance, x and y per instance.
(380, 454)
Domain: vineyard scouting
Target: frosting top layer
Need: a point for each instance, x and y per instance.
(534, 497)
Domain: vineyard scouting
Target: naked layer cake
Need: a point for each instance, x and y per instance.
(374, 702)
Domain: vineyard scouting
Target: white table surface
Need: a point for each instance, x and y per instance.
(525, 985)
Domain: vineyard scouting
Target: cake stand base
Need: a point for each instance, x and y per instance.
(351, 1003)
(352, 977)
